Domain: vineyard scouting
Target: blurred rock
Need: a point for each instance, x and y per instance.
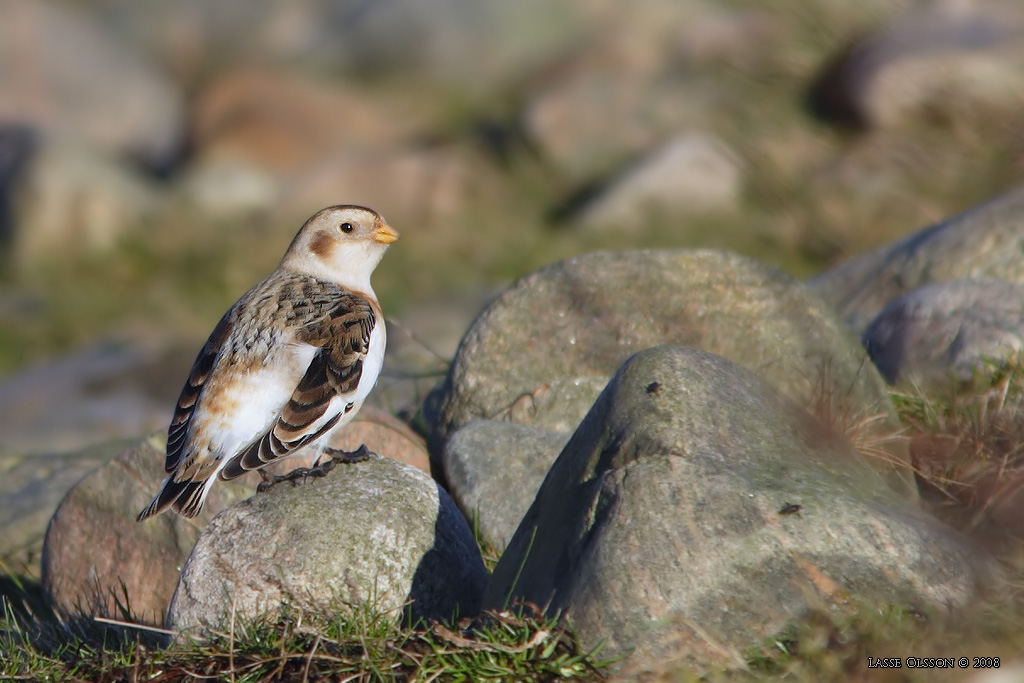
(690, 173)
(111, 390)
(939, 60)
(254, 131)
(666, 531)
(411, 185)
(282, 141)
(586, 124)
(946, 331)
(542, 352)
(71, 199)
(93, 543)
(63, 72)
(369, 535)
(283, 121)
(983, 243)
(736, 37)
(31, 487)
(493, 470)
(477, 43)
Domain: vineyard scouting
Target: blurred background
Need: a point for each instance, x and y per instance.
(156, 159)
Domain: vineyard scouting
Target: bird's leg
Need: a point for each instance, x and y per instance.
(319, 469)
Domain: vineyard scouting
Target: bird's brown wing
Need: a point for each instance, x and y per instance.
(339, 326)
(191, 393)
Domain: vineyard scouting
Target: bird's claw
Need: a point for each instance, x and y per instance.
(301, 474)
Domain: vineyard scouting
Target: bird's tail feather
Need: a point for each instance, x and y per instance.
(186, 497)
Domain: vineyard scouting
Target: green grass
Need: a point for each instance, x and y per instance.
(366, 647)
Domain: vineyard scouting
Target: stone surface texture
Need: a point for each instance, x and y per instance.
(666, 527)
(369, 535)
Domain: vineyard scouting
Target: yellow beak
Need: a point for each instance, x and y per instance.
(385, 234)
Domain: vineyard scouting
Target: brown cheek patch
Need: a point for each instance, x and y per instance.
(322, 245)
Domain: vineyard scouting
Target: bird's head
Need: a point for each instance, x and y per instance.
(342, 244)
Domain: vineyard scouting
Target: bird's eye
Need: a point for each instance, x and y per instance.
(347, 228)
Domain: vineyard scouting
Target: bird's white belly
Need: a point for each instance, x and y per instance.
(258, 395)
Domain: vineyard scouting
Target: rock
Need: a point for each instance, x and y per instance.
(493, 471)
(94, 546)
(941, 59)
(982, 243)
(72, 199)
(475, 45)
(483, 44)
(946, 331)
(255, 131)
(113, 389)
(31, 487)
(587, 124)
(739, 38)
(370, 535)
(410, 185)
(282, 121)
(422, 341)
(696, 511)
(61, 71)
(690, 173)
(93, 542)
(542, 352)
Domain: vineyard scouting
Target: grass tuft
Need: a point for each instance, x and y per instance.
(366, 647)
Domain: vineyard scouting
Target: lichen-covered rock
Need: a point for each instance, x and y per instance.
(542, 352)
(985, 242)
(696, 511)
(371, 535)
(946, 331)
(94, 545)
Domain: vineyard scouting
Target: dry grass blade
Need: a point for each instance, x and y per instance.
(538, 637)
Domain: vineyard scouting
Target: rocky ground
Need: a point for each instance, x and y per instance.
(662, 265)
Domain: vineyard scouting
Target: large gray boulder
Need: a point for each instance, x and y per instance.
(947, 331)
(542, 352)
(371, 535)
(985, 242)
(95, 553)
(697, 511)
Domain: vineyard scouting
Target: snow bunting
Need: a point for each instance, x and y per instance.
(288, 364)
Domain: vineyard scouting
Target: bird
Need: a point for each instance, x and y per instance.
(290, 363)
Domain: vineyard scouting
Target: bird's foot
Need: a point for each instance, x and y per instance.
(320, 469)
(358, 455)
